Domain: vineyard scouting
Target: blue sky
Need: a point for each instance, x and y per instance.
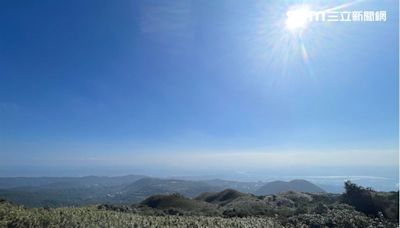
(180, 84)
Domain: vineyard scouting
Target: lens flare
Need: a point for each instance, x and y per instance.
(298, 18)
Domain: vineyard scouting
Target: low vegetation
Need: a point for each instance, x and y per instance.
(372, 202)
(17, 216)
(357, 207)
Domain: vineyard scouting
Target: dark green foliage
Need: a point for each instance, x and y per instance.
(223, 197)
(119, 208)
(321, 209)
(337, 217)
(177, 204)
(371, 202)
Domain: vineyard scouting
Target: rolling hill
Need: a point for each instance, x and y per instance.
(275, 187)
(224, 197)
(77, 191)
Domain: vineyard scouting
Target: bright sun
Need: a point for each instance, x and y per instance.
(298, 18)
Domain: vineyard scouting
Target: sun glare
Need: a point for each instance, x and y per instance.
(298, 18)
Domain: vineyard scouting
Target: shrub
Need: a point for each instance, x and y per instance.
(371, 202)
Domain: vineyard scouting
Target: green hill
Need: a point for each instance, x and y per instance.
(178, 204)
(221, 198)
(275, 187)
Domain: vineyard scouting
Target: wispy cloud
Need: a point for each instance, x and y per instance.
(169, 20)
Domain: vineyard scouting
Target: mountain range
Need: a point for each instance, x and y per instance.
(75, 191)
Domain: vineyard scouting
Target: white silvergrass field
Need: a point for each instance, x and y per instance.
(15, 216)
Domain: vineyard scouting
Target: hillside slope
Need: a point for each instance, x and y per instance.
(275, 187)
